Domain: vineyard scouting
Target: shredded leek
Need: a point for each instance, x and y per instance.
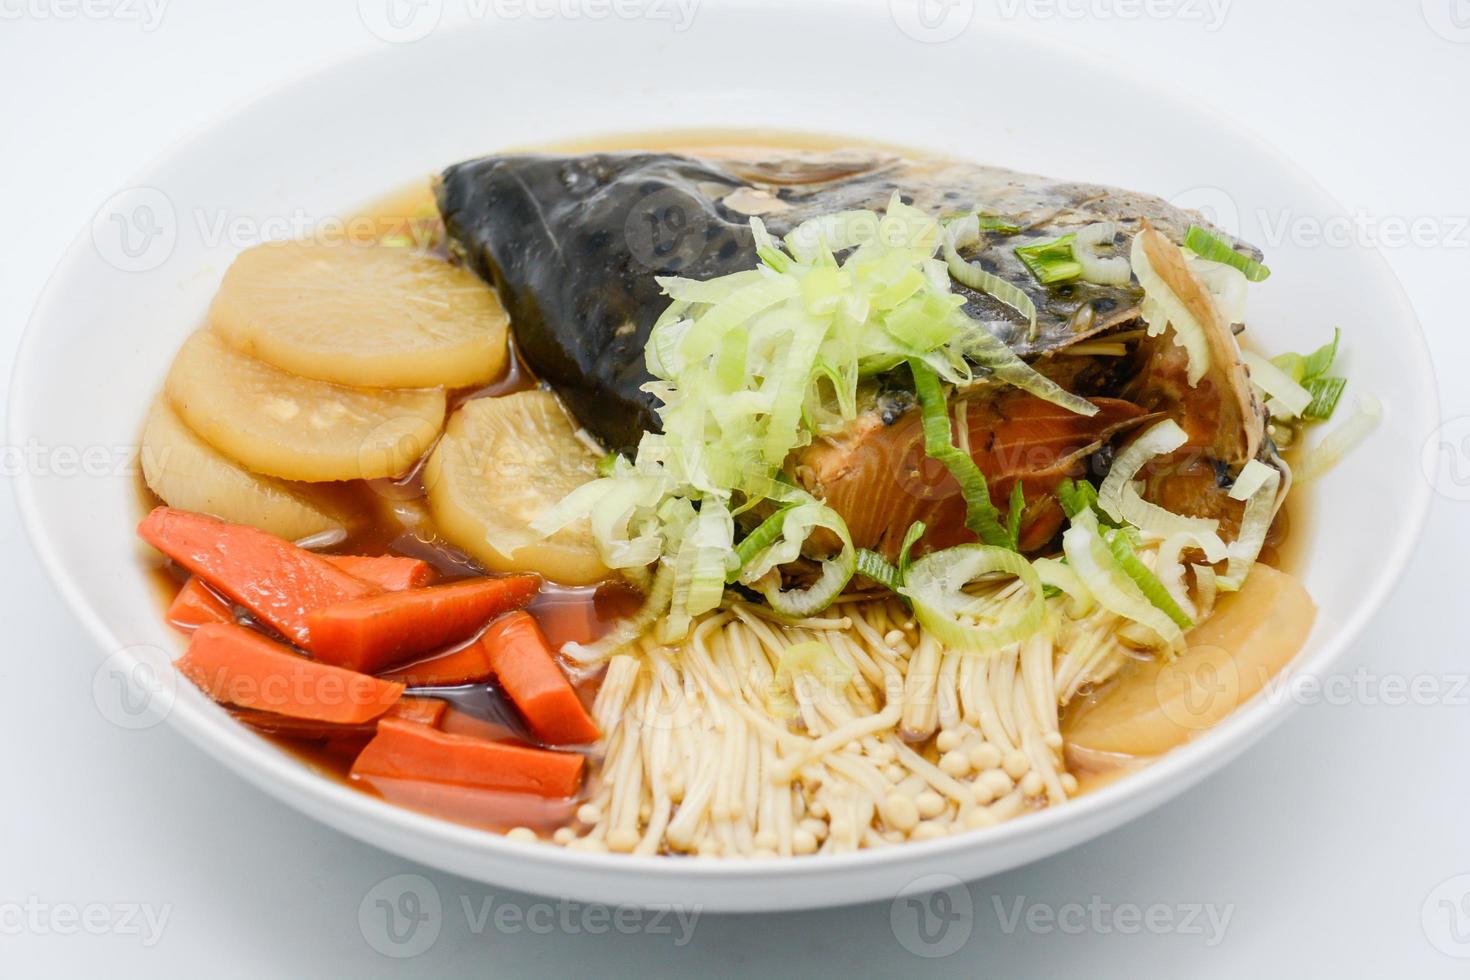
(1208, 245)
(1148, 583)
(1256, 484)
(1340, 441)
(1326, 392)
(1161, 308)
(1120, 499)
(1056, 574)
(872, 565)
(1321, 391)
(1092, 559)
(1110, 270)
(911, 537)
(981, 516)
(1288, 398)
(970, 274)
(935, 585)
(1051, 261)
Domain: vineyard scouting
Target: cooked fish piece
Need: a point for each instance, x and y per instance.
(573, 244)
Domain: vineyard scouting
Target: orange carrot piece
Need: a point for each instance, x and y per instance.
(196, 606)
(276, 581)
(467, 665)
(407, 750)
(389, 572)
(375, 632)
(425, 711)
(238, 666)
(529, 675)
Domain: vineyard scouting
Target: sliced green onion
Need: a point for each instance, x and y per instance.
(970, 274)
(1288, 398)
(911, 537)
(1076, 497)
(762, 571)
(981, 516)
(1057, 574)
(629, 628)
(1014, 514)
(1326, 391)
(872, 565)
(1051, 261)
(935, 585)
(1110, 270)
(1340, 441)
(1208, 245)
(1148, 583)
(986, 350)
(1317, 363)
(1256, 485)
(1120, 499)
(1169, 568)
(992, 224)
(1092, 559)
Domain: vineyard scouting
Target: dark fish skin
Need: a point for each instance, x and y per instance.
(573, 243)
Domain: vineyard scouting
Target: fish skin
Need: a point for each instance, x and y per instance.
(573, 243)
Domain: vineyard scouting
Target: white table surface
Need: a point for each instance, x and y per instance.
(1329, 847)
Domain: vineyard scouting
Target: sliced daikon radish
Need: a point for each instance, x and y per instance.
(282, 425)
(373, 316)
(503, 461)
(188, 473)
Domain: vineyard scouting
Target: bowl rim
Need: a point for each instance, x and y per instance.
(299, 786)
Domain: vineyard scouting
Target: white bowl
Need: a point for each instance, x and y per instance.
(108, 324)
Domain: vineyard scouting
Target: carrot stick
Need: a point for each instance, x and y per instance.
(425, 711)
(272, 578)
(467, 665)
(238, 666)
(374, 632)
(389, 572)
(407, 750)
(195, 606)
(530, 677)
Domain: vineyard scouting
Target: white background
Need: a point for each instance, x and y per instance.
(1328, 846)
